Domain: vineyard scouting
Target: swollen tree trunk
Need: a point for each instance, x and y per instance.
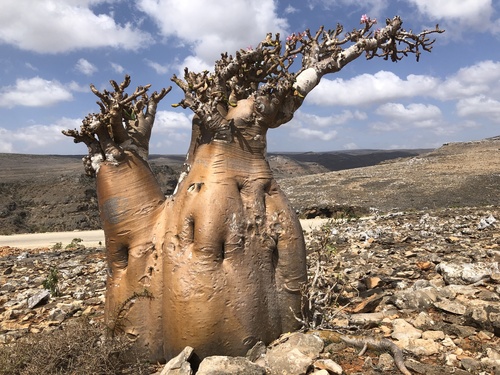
(131, 206)
(220, 264)
(234, 259)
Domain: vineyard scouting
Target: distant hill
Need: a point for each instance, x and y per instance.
(340, 160)
(454, 175)
(41, 193)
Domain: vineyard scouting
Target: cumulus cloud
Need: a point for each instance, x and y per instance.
(117, 68)
(325, 121)
(167, 121)
(172, 132)
(313, 127)
(34, 92)
(383, 86)
(6, 141)
(306, 133)
(85, 67)
(415, 115)
(36, 138)
(480, 78)
(207, 29)
(52, 26)
(370, 88)
(481, 106)
(466, 12)
(157, 67)
(415, 112)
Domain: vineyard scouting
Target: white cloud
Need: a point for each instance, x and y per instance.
(75, 86)
(415, 115)
(171, 131)
(206, 27)
(480, 78)
(5, 141)
(414, 112)
(37, 138)
(481, 106)
(85, 67)
(31, 66)
(168, 121)
(34, 92)
(290, 9)
(195, 64)
(325, 121)
(117, 68)
(306, 133)
(370, 88)
(313, 127)
(383, 86)
(52, 26)
(351, 146)
(466, 12)
(385, 126)
(157, 67)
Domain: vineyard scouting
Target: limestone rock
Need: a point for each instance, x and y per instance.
(38, 299)
(403, 331)
(466, 273)
(179, 365)
(222, 365)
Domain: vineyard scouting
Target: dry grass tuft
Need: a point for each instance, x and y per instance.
(78, 347)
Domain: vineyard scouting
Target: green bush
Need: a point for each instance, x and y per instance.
(51, 283)
(75, 243)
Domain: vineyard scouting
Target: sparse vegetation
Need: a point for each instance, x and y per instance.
(51, 283)
(57, 246)
(325, 285)
(74, 243)
(76, 348)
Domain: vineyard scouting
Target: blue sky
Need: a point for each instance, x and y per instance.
(51, 50)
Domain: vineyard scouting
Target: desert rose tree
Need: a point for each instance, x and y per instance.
(220, 264)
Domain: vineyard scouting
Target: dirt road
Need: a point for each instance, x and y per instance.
(91, 238)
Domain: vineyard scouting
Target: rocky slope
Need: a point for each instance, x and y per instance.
(47, 193)
(454, 175)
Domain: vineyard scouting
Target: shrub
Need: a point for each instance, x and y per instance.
(75, 243)
(51, 283)
(78, 347)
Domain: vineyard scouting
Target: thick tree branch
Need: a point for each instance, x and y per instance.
(124, 123)
(266, 71)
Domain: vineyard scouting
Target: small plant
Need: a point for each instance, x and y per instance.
(325, 284)
(74, 243)
(51, 283)
(57, 246)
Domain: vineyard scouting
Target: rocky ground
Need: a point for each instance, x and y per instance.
(409, 266)
(428, 281)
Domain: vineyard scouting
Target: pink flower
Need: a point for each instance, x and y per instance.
(364, 19)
